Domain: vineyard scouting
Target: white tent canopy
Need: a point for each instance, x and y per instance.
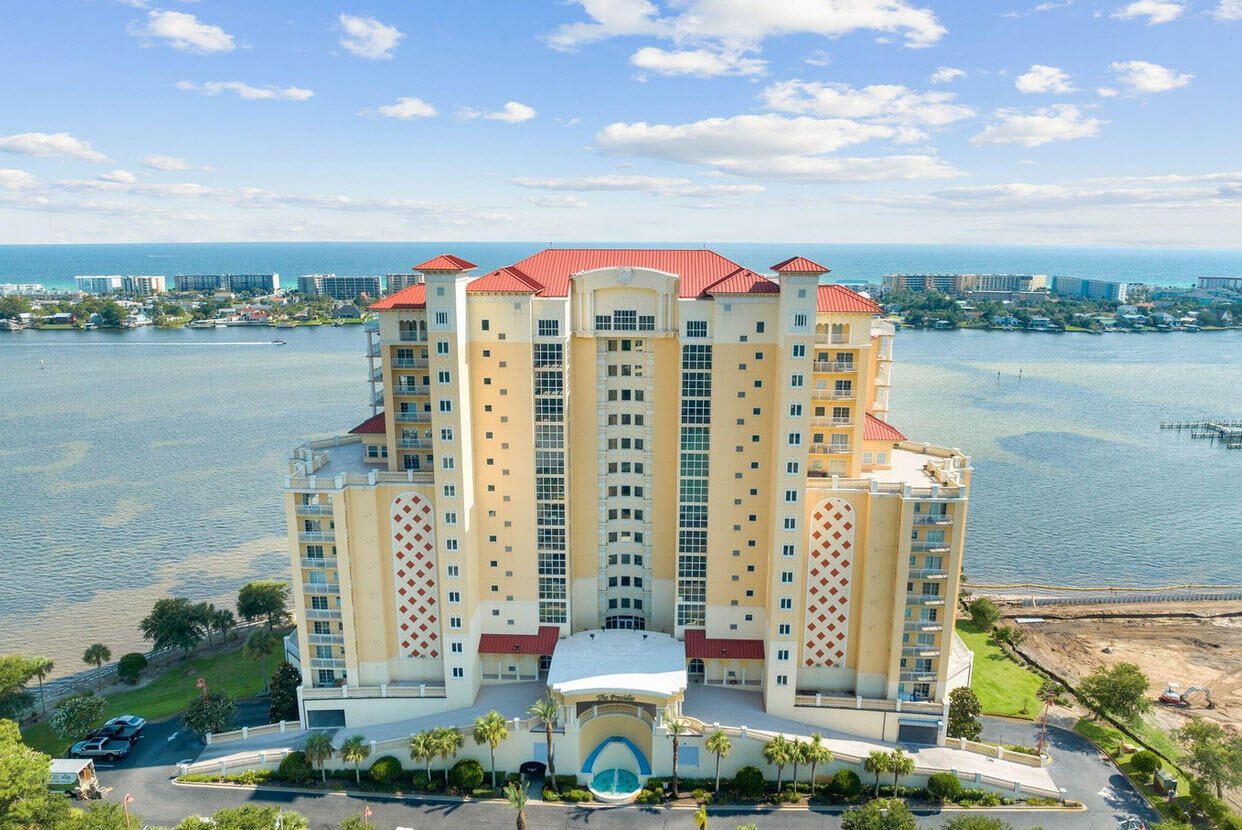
(617, 661)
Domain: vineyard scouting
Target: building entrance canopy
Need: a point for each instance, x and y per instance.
(618, 662)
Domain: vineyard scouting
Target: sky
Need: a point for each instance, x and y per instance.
(1064, 122)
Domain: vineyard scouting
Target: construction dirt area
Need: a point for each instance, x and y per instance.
(1196, 645)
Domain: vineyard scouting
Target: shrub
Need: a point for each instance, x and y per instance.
(466, 775)
(966, 821)
(1145, 762)
(944, 786)
(575, 795)
(485, 792)
(386, 770)
(749, 783)
(981, 798)
(657, 784)
(294, 769)
(130, 667)
(566, 782)
(1231, 822)
(550, 795)
(983, 613)
(845, 785)
(649, 797)
(701, 795)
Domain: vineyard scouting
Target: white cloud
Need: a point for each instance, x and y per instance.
(746, 23)
(119, 176)
(407, 108)
(366, 37)
(558, 200)
(183, 31)
(947, 74)
(1142, 76)
(701, 63)
(1228, 10)
(1040, 78)
(1106, 92)
(1057, 123)
(770, 146)
(512, 113)
(11, 179)
(1156, 11)
(657, 185)
(1166, 191)
(159, 161)
(881, 102)
(249, 93)
(47, 145)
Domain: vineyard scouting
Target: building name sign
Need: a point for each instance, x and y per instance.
(615, 698)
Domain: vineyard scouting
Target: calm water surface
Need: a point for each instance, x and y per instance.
(145, 463)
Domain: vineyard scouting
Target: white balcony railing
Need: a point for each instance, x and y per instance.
(413, 417)
(317, 536)
(928, 573)
(313, 509)
(925, 600)
(832, 394)
(409, 363)
(916, 677)
(325, 663)
(937, 519)
(922, 625)
(831, 422)
(830, 449)
(414, 443)
(325, 639)
(323, 613)
(326, 562)
(848, 366)
(321, 588)
(422, 389)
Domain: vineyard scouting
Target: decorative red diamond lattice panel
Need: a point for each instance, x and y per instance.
(414, 574)
(829, 581)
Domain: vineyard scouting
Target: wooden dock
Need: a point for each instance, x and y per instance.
(1228, 433)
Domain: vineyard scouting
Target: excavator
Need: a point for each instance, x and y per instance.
(1172, 697)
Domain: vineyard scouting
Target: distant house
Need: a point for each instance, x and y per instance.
(347, 311)
(63, 318)
(1010, 321)
(1039, 323)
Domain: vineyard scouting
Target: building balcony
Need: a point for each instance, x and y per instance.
(323, 613)
(420, 389)
(414, 443)
(905, 676)
(925, 600)
(317, 536)
(848, 366)
(321, 588)
(830, 449)
(377, 374)
(318, 562)
(325, 639)
(832, 339)
(325, 663)
(406, 336)
(377, 397)
(413, 417)
(922, 625)
(911, 651)
(313, 509)
(831, 422)
(374, 350)
(929, 547)
(832, 394)
(934, 519)
(928, 573)
(544, 363)
(409, 363)
(371, 326)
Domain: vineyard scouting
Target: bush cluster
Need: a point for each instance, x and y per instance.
(466, 775)
(294, 769)
(386, 770)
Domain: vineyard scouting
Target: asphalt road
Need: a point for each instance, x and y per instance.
(147, 772)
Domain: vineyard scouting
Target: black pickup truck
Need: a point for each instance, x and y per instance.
(117, 732)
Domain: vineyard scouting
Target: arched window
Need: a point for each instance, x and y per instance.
(696, 668)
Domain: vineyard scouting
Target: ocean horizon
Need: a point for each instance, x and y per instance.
(56, 265)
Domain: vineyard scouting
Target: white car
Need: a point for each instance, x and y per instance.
(132, 721)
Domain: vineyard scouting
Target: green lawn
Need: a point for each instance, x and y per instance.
(1109, 739)
(1002, 686)
(168, 693)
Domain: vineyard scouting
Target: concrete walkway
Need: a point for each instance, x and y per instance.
(733, 707)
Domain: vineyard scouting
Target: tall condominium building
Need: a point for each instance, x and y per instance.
(231, 283)
(962, 283)
(128, 284)
(1092, 289)
(340, 288)
(1231, 283)
(397, 282)
(659, 442)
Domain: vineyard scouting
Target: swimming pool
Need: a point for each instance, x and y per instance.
(614, 784)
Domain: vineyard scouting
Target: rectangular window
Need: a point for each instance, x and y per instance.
(787, 577)
(696, 328)
(786, 603)
(782, 680)
(446, 405)
(442, 319)
(549, 328)
(782, 654)
(800, 321)
(783, 630)
(799, 350)
(458, 671)
(454, 596)
(787, 551)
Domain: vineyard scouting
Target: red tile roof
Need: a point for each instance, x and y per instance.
(699, 645)
(542, 643)
(743, 281)
(800, 265)
(412, 296)
(508, 280)
(876, 430)
(698, 269)
(374, 425)
(841, 299)
(445, 262)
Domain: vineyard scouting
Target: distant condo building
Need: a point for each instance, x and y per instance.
(127, 284)
(1231, 283)
(340, 288)
(8, 289)
(1090, 289)
(590, 448)
(397, 282)
(230, 283)
(963, 283)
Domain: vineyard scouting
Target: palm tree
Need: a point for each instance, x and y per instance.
(700, 817)
(422, 748)
(491, 729)
(42, 667)
(354, 751)
(97, 655)
(447, 741)
(796, 751)
(876, 762)
(516, 796)
(546, 709)
(222, 621)
(676, 728)
(776, 753)
(899, 763)
(258, 645)
(1047, 693)
(318, 749)
(718, 743)
(816, 754)
(205, 611)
